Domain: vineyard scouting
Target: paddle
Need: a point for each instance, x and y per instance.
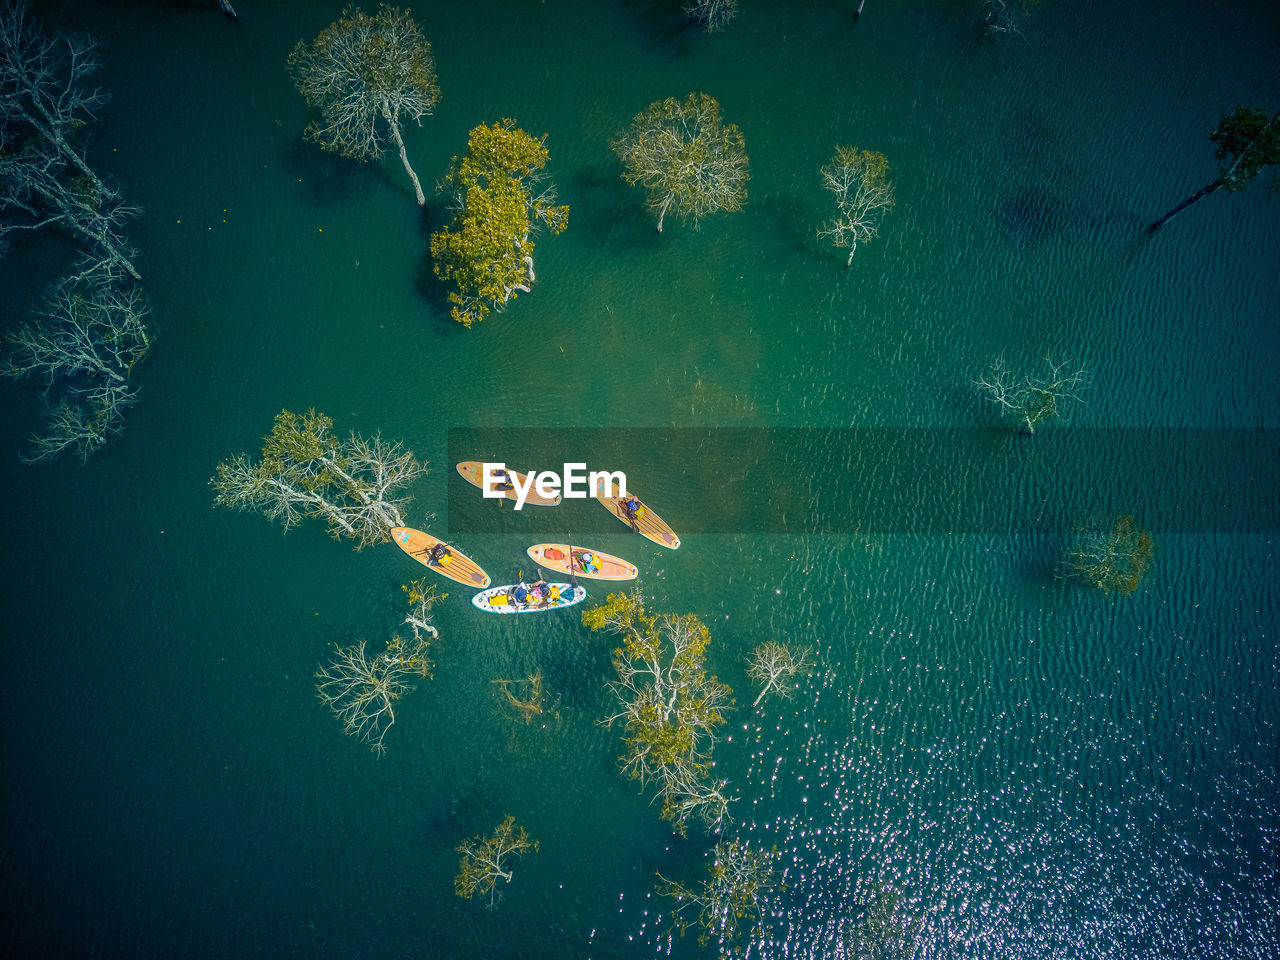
(573, 577)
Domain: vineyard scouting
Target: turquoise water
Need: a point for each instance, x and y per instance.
(1040, 772)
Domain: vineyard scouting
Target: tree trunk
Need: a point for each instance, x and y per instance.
(1198, 195)
(852, 247)
(404, 155)
(858, 12)
(663, 212)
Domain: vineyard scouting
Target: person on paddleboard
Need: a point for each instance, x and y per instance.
(439, 555)
(589, 562)
(520, 594)
(504, 480)
(631, 508)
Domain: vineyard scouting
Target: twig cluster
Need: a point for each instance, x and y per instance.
(355, 485)
(91, 330)
(669, 707)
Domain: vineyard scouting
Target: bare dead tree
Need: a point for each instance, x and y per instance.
(422, 597)
(714, 15)
(362, 690)
(45, 104)
(1032, 400)
(863, 192)
(366, 75)
(355, 485)
(83, 346)
(774, 664)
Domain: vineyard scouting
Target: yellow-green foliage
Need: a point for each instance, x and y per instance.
(741, 877)
(690, 162)
(483, 860)
(487, 250)
(670, 707)
(1115, 561)
(361, 70)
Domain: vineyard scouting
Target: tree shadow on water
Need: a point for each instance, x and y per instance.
(664, 22)
(326, 180)
(793, 227)
(1031, 216)
(610, 212)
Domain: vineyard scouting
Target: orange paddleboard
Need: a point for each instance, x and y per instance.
(461, 568)
(470, 470)
(555, 556)
(648, 524)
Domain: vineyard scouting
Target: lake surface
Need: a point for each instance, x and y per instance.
(1035, 770)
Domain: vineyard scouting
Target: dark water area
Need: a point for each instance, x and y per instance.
(1039, 771)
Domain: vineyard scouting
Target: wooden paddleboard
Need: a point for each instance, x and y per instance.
(470, 470)
(649, 524)
(555, 556)
(460, 567)
(500, 600)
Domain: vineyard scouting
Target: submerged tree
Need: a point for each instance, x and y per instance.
(1251, 141)
(774, 665)
(367, 75)
(690, 162)
(669, 706)
(884, 930)
(741, 878)
(1032, 400)
(864, 193)
(525, 699)
(83, 344)
(484, 860)
(1002, 16)
(712, 14)
(362, 691)
(499, 199)
(45, 108)
(355, 485)
(1114, 560)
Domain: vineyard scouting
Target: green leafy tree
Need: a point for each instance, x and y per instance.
(1251, 141)
(484, 860)
(864, 193)
(690, 162)
(499, 198)
(1032, 400)
(355, 485)
(366, 76)
(1112, 559)
(740, 880)
(669, 707)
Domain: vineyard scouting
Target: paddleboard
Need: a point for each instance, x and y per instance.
(460, 567)
(471, 469)
(499, 599)
(555, 556)
(649, 524)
